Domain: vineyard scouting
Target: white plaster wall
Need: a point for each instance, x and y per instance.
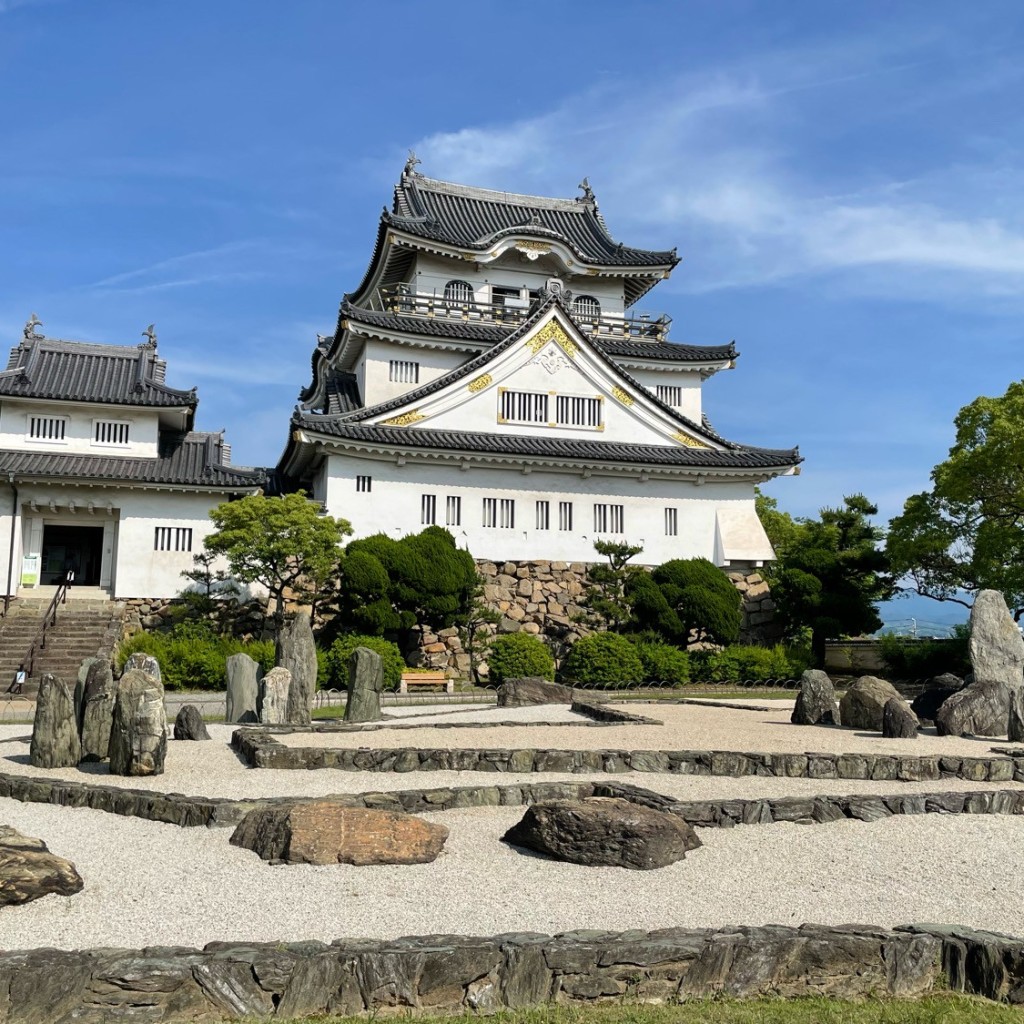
(376, 362)
(393, 506)
(6, 521)
(688, 380)
(80, 429)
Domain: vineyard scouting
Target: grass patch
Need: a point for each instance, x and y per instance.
(946, 1009)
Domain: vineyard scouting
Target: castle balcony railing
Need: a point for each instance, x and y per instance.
(403, 300)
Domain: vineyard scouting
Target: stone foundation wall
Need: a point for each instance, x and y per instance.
(458, 974)
(544, 598)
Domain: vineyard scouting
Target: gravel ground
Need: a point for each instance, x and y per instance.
(153, 884)
(686, 727)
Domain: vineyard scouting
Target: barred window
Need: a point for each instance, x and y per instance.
(586, 307)
(113, 432)
(460, 292)
(500, 513)
(47, 428)
(671, 522)
(428, 509)
(608, 519)
(403, 371)
(522, 407)
(172, 538)
(364, 483)
(670, 394)
(571, 411)
(453, 510)
(565, 516)
(543, 515)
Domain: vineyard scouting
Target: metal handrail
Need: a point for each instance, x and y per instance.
(402, 300)
(27, 665)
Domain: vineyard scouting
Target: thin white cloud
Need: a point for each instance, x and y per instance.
(200, 267)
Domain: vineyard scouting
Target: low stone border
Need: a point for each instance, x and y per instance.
(260, 749)
(447, 973)
(605, 714)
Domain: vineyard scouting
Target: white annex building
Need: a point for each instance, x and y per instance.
(489, 375)
(101, 472)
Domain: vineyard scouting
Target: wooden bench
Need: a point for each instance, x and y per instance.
(425, 679)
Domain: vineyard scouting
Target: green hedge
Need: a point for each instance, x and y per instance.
(663, 663)
(342, 648)
(603, 659)
(742, 663)
(519, 654)
(906, 658)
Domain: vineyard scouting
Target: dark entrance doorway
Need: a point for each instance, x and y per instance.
(78, 549)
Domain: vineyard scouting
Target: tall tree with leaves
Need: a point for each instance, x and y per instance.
(606, 599)
(967, 532)
(286, 544)
(831, 573)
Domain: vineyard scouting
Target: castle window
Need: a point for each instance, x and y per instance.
(500, 513)
(428, 509)
(670, 394)
(402, 371)
(110, 432)
(364, 483)
(453, 510)
(671, 522)
(506, 296)
(571, 411)
(172, 538)
(608, 519)
(47, 428)
(586, 307)
(565, 516)
(543, 515)
(458, 292)
(522, 407)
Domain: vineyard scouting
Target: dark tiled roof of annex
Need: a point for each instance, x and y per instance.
(73, 371)
(466, 217)
(195, 458)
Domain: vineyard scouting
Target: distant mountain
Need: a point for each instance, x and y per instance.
(913, 612)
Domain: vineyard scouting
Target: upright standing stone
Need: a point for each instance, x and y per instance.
(83, 675)
(1015, 726)
(97, 712)
(365, 679)
(55, 741)
(138, 733)
(816, 701)
(144, 663)
(296, 651)
(242, 689)
(273, 703)
(898, 721)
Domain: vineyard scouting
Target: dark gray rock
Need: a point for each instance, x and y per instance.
(242, 697)
(189, 724)
(927, 703)
(55, 742)
(365, 679)
(862, 704)
(97, 711)
(83, 675)
(1015, 725)
(28, 870)
(816, 701)
(138, 731)
(296, 651)
(523, 691)
(981, 709)
(898, 721)
(996, 646)
(273, 700)
(144, 663)
(604, 831)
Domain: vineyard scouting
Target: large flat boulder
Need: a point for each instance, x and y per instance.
(296, 651)
(55, 742)
(28, 870)
(329, 832)
(981, 709)
(864, 701)
(138, 728)
(604, 831)
(523, 691)
(816, 701)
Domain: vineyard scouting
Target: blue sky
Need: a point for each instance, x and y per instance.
(843, 182)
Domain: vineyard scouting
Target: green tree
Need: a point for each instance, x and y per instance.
(831, 574)
(472, 624)
(606, 598)
(285, 544)
(693, 599)
(784, 532)
(967, 532)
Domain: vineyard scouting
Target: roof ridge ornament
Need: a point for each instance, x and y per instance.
(588, 193)
(29, 332)
(150, 335)
(410, 164)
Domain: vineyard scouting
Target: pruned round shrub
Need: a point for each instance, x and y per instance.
(342, 648)
(663, 663)
(603, 659)
(519, 654)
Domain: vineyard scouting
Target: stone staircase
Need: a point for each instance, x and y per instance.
(82, 629)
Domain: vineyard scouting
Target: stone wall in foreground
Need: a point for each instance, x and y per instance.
(447, 973)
